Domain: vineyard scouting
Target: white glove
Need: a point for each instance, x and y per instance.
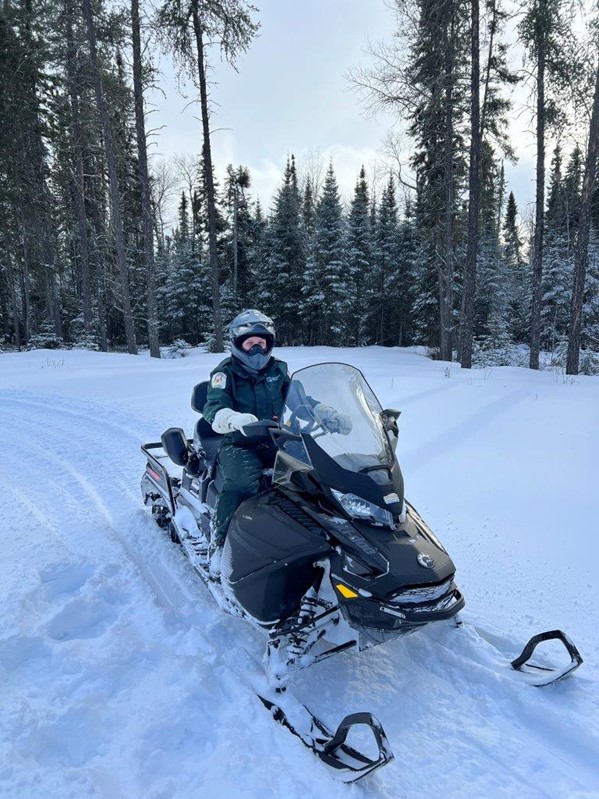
(332, 420)
(227, 421)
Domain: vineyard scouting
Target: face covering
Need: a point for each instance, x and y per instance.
(256, 349)
(254, 359)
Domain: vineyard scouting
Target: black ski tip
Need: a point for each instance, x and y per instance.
(339, 755)
(346, 762)
(541, 675)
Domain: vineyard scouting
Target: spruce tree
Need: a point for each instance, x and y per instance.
(545, 31)
(237, 266)
(187, 285)
(144, 183)
(327, 297)
(557, 260)
(281, 285)
(438, 129)
(359, 258)
(493, 296)
(113, 178)
(517, 274)
(385, 292)
(581, 257)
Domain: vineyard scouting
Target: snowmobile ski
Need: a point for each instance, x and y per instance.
(544, 675)
(346, 763)
(535, 674)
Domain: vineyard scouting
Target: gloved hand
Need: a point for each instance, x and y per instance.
(332, 420)
(227, 421)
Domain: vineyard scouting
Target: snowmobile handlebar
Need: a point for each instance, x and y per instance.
(260, 429)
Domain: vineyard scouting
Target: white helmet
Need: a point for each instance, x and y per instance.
(252, 323)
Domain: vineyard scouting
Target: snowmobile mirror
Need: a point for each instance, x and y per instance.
(175, 445)
(389, 418)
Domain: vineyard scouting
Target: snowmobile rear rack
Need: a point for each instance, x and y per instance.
(157, 473)
(346, 762)
(544, 675)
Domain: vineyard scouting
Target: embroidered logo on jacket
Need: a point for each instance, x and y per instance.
(219, 380)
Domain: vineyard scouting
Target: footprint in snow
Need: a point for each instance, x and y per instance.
(70, 739)
(18, 651)
(81, 619)
(63, 578)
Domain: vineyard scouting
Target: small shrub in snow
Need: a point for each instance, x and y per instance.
(85, 343)
(54, 363)
(588, 362)
(81, 337)
(45, 340)
(498, 352)
(178, 349)
(557, 358)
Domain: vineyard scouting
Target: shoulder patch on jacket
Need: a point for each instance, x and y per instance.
(219, 380)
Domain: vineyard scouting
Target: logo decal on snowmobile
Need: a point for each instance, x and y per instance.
(389, 498)
(219, 380)
(426, 561)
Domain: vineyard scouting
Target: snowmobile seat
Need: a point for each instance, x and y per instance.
(205, 440)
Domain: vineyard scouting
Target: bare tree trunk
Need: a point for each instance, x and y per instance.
(99, 253)
(144, 180)
(25, 288)
(48, 251)
(537, 259)
(33, 152)
(582, 242)
(79, 181)
(235, 241)
(10, 279)
(492, 7)
(446, 266)
(500, 199)
(115, 200)
(474, 196)
(208, 182)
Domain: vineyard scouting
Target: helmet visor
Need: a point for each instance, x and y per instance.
(253, 328)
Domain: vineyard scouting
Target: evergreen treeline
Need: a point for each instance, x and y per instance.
(86, 259)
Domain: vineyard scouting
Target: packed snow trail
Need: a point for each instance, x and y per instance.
(121, 678)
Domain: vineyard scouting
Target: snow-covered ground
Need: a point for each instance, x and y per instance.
(119, 676)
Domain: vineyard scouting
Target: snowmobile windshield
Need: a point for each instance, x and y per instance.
(335, 406)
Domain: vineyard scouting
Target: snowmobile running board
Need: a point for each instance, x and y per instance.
(543, 675)
(347, 763)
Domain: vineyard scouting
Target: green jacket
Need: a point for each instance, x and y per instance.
(262, 394)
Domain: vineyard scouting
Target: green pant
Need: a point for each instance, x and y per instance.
(240, 467)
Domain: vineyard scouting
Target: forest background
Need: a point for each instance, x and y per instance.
(429, 249)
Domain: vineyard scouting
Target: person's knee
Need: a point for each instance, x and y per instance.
(242, 485)
(241, 477)
(241, 482)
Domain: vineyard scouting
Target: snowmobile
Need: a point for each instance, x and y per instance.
(329, 555)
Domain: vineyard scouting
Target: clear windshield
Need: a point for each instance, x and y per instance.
(333, 403)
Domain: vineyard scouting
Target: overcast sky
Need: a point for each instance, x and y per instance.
(292, 95)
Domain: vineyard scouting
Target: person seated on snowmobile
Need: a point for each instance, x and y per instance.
(249, 386)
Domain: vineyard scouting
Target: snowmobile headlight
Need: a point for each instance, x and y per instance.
(359, 508)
